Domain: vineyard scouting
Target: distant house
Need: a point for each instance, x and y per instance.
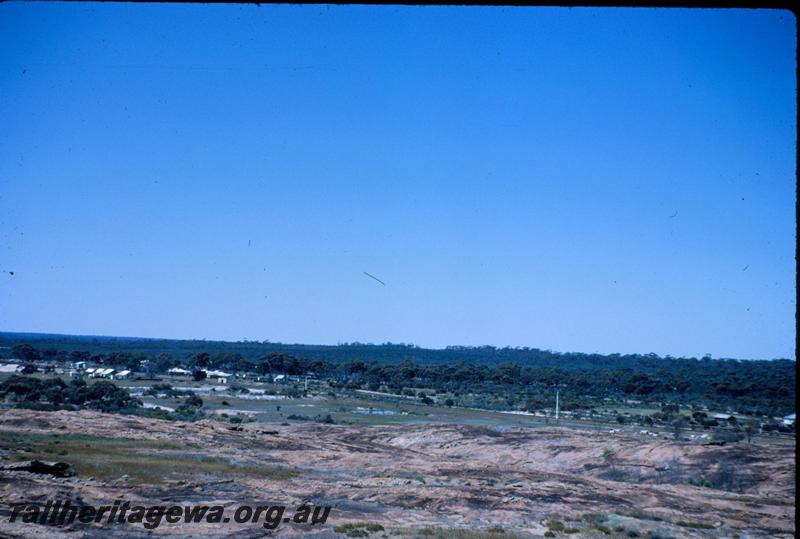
(10, 367)
(79, 365)
(219, 376)
(280, 379)
(789, 420)
(102, 373)
(725, 417)
(177, 371)
(123, 375)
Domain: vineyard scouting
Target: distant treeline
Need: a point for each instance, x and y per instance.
(521, 377)
(384, 353)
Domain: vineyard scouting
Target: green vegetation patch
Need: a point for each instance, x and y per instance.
(494, 532)
(594, 517)
(761, 500)
(699, 525)
(358, 529)
(143, 461)
(638, 513)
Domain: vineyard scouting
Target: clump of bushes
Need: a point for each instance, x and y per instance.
(55, 394)
(318, 418)
(104, 396)
(700, 482)
(358, 529)
(727, 436)
(595, 517)
(698, 525)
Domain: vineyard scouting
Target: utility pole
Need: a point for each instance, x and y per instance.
(557, 405)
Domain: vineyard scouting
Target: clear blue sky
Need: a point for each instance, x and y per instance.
(610, 180)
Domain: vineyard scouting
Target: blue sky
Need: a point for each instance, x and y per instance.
(609, 180)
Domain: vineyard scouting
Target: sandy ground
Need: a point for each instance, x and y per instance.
(449, 476)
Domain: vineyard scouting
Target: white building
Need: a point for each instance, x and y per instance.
(177, 371)
(123, 375)
(102, 373)
(219, 376)
(10, 367)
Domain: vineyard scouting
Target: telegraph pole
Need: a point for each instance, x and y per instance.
(557, 405)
